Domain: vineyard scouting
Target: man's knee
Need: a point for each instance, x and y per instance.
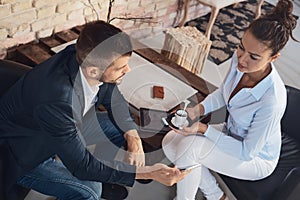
(87, 191)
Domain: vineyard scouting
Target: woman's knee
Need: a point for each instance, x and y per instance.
(191, 147)
(185, 148)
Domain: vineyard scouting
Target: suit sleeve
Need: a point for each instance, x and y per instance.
(57, 121)
(118, 109)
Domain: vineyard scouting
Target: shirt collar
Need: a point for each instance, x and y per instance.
(260, 89)
(87, 89)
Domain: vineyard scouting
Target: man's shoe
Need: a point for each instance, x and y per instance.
(144, 181)
(113, 192)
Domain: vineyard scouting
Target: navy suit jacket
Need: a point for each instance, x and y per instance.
(40, 117)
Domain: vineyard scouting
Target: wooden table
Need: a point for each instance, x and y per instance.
(36, 52)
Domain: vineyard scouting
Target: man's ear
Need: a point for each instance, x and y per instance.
(275, 57)
(92, 71)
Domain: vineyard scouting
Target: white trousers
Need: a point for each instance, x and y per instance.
(188, 150)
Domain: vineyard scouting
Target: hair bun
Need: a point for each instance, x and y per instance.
(283, 13)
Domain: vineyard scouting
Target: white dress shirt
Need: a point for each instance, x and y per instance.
(90, 93)
(255, 114)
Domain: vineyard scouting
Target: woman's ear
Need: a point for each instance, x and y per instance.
(275, 57)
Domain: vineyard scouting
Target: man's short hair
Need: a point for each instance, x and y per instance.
(100, 43)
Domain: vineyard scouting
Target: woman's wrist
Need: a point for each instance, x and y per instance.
(202, 128)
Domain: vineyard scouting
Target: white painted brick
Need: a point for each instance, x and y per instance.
(69, 6)
(45, 11)
(41, 24)
(14, 20)
(116, 22)
(75, 14)
(3, 33)
(150, 8)
(68, 25)
(128, 24)
(41, 3)
(21, 39)
(44, 33)
(92, 9)
(162, 12)
(90, 18)
(122, 2)
(4, 10)
(59, 18)
(22, 29)
(132, 5)
(7, 1)
(20, 6)
(88, 11)
(91, 1)
(11, 28)
(172, 15)
(163, 4)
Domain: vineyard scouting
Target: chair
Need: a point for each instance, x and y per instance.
(284, 182)
(10, 72)
(215, 6)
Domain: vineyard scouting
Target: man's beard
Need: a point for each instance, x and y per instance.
(118, 80)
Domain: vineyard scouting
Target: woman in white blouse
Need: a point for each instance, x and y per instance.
(247, 145)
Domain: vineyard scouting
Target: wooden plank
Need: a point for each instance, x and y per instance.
(31, 54)
(78, 29)
(66, 36)
(50, 42)
(11, 54)
(171, 67)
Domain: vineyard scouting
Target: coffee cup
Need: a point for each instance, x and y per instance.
(180, 118)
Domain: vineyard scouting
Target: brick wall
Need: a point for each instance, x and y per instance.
(22, 21)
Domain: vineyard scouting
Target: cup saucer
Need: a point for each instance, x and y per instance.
(186, 123)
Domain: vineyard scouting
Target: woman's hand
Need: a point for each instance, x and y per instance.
(195, 112)
(196, 128)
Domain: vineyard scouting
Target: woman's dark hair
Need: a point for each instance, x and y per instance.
(99, 43)
(275, 28)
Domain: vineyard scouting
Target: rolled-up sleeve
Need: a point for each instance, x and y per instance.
(264, 127)
(213, 101)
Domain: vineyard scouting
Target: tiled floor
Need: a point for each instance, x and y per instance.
(288, 66)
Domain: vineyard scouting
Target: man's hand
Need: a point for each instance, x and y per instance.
(161, 173)
(135, 154)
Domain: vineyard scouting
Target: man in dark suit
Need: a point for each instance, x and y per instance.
(52, 111)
